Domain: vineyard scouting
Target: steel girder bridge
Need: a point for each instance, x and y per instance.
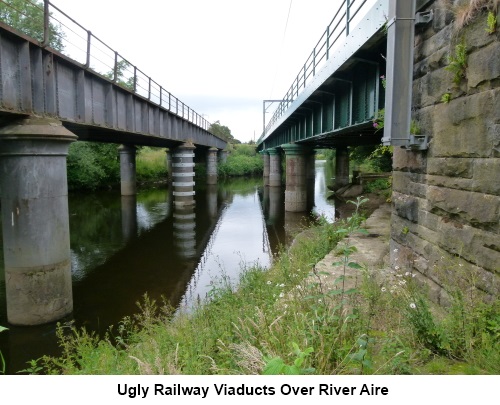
(339, 94)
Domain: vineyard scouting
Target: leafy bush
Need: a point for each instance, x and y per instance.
(92, 165)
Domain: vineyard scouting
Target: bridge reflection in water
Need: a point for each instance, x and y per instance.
(125, 247)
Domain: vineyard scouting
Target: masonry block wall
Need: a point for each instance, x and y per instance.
(446, 200)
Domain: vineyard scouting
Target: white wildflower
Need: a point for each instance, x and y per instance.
(269, 282)
(282, 295)
(383, 289)
(412, 306)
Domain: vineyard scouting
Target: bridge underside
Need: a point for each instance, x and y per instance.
(338, 106)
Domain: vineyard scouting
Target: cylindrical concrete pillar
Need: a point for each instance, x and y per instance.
(129, 216)
(341, 167)
(222, 154)
(274, 167)
(212, 166)
(295, 191)
(35, 220)
(127, 169)
(310, 177)
(183, 174)
(265, 158)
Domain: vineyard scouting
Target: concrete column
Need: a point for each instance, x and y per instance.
(212, 166)
(35, 220)
(183, 174)
(129, 216)
(341, 167)
(222, 154)
(127, 169)
(295, 192)
(274, 168)
(265, 158)
(310, 177)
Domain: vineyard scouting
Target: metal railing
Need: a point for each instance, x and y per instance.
(51, 27)
(348, 15)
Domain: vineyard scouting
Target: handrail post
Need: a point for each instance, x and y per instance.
(115, 69)
(46, 24)
(89, 38)
(135, 79)
(149, 88)
(347, 16)
(328, 42)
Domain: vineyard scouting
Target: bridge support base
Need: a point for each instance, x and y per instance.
(341, 167)
(212, 166)
(35, 220)
(127, 169)
(295, 192)
(274, 168)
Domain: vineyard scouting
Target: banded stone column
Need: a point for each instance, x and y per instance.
(184, 215)
(341, 167)
(183, 174)
(274, 167)
(212, 166)
(265, 158)
(35, 220)
(295, 191)
(127, 169)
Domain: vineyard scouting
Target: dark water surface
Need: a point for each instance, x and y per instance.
(125, 247)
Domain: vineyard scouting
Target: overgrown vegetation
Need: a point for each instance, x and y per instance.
(294, 319)
(93, 165)
(28, 17)
(242, 160)
(457, 62)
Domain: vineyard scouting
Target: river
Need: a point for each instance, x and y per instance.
(125, 247)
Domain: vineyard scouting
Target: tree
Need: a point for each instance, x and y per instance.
(121, 67)
(27, 16)
(222, 132)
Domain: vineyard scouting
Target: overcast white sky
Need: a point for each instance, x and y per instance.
(220, 57)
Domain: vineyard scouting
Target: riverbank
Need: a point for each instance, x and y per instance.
(318, 309)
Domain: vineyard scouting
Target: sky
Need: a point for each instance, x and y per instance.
(220, 57)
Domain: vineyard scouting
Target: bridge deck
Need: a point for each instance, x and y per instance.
(38, 80)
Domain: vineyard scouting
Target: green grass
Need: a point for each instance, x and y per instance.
(151, 164)
(292, 319)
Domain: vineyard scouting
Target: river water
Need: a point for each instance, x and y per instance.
(125, 247)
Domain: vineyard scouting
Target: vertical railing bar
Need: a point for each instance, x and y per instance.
(89, 39)
(115, 68)
(46, 25)
(347, 16)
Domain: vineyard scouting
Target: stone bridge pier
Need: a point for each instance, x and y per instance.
(35, 221)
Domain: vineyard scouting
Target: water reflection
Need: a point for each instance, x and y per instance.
(125, 247)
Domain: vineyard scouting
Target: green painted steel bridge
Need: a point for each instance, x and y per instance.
(339, 95)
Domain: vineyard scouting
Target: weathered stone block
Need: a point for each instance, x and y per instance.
(405, 206)
(484, 65)
(404, 160)
(487, 176)
(450, 182)
(464, 127)
(451, 167)
(472, 208)
(429, 89)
